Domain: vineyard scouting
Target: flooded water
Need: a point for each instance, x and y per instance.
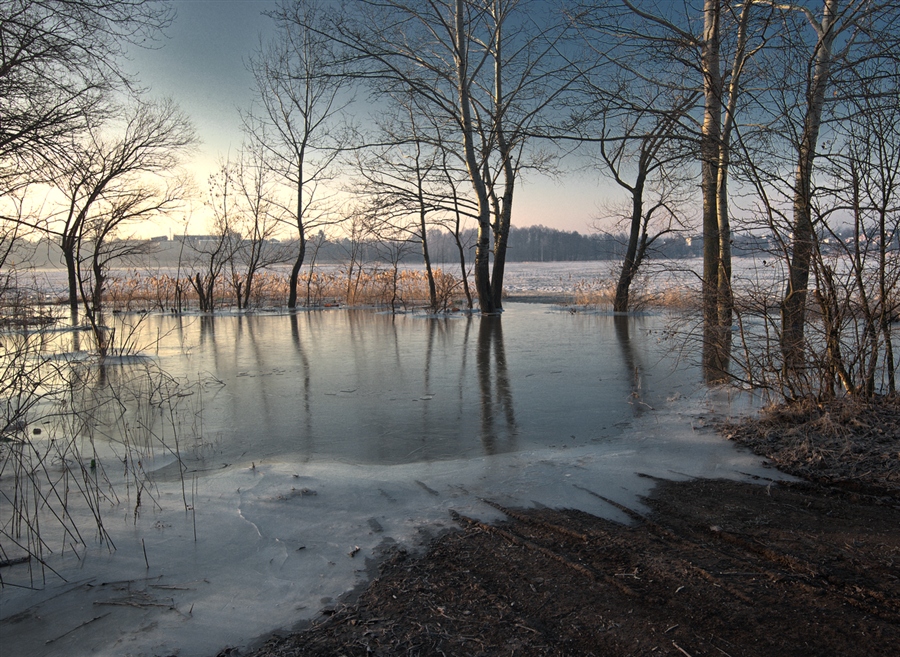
(305, 444)
(358, 386)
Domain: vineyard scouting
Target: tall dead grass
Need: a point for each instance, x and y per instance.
(374, 285)
(601, 292)
(75, 438)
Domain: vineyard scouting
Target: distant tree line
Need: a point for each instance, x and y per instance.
(530, 244)
(526, 244)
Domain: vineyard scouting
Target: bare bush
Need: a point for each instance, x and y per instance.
(77, 434)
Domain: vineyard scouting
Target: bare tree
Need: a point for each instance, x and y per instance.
(354, 250)
(875, 194)
(315, 243)
(103, 241)
(300, 97)
(462, 79)
(830, 64)
(822, 48)
(258, 221)
(533, 73)
(391, 242)
(706, 48)
(406, 183)
(793, 309)
(429, 53)
(214, 252)
(655, 155)
(486, 71)
(855, 263)
(110, 163)
(455, 217)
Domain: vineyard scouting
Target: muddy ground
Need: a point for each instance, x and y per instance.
(715, 568)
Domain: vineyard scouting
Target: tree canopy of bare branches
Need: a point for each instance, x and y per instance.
(58, 62)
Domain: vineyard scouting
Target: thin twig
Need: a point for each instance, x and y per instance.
(681, 650)
(87, 622)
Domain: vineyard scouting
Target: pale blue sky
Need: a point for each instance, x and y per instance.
(201, 64)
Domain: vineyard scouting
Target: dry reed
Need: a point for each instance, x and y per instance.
(370, 286)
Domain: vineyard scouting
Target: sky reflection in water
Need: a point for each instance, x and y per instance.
(356, 386)
(314, 437)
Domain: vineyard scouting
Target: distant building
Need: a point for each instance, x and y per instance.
(194, 239)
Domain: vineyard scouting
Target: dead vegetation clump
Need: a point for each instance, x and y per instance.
(847, 442)
(600, 293)
(674, 297)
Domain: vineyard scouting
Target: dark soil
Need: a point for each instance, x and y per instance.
(716, 568)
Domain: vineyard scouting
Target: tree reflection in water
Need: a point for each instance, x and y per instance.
(498, 418)
(623, 327)
(358, 386)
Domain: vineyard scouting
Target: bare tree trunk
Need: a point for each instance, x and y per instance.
(725, 295)
(483, 243)
(426, 256)
(72, 278)
(883, 310)
(99, 282)
(457, 236)
(295, 273)
(423, 226)
(301, 234)
(502, 225)
(248, 288)
(629, 264)
(793, 306)
(715, 354)
(465, 278)
(504, 217)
